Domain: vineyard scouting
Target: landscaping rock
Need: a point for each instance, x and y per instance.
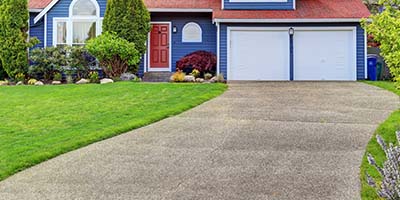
(82, 81)
(39, 83)
(127, 77)
(199, 80)
(190, 79)
(56, 83)
(20, 83)
(106, 81)
(213, 80)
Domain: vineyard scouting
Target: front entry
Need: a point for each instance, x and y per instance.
(160, 47)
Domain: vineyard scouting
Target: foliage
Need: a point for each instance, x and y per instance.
(2, 72)
(94, 77)
(385, 28)
(195, 73)
(386, 130)
(14, 17)
(80, 61)
(20, 77)
(389, 188)
(47, 61)
(60, 119)
(57, 76)
(128, 19)
(203, 61)
(178, 77)
(32, 81)
(114, 54)
(208, 76)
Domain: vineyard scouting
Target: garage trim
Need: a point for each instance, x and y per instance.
(300, 28)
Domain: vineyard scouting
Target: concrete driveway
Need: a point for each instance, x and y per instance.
(299, 140)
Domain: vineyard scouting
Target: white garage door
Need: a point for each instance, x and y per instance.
(258, 55)
(324, 55)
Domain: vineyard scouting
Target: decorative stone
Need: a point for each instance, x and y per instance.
(39, 83)
(106, 81)
(199, 80)
(213, 80)
(190, 79)
(127, 77)
(56, 83)
(82, 81)
(20, 83)
(3, 83)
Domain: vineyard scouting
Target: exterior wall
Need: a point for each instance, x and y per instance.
(289, 5)
(180, 49)
(360, 42)
(36, 30)
(61, 9)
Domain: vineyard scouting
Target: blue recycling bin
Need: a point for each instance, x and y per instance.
(372, 67)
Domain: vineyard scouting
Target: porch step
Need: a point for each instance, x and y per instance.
(157, 76)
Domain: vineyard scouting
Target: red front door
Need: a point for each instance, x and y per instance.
(159, 47)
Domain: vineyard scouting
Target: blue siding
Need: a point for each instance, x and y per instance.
(36, 30)
(289, 5)
(61, 9)
(180, 49)
(360, 43)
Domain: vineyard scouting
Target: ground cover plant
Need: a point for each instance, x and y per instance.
(387, 131)
(39, 123)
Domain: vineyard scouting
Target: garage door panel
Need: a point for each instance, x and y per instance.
(324, 55)
(259, 55)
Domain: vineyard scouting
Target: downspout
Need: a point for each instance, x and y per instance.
(218, 47)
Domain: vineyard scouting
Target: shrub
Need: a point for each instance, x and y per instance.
(57, 76)
(220, 78)
(114, 54)
(130, 20)
(14, 17)
(388, 188)
(94, 77)
(202, 61)
(32, 81)
(178, 76)
(20, 77)
(47, 61)
(195, 73)
(80, 61)
(385, 27)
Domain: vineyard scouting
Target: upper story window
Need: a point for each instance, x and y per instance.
(192, 33)
(83, 23)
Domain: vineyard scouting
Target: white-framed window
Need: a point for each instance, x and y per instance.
(192, 32)
(84, 23)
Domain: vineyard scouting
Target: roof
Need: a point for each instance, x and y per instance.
(305, 9)
(38, 4)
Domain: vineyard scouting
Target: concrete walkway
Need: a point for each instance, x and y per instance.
(257, 141)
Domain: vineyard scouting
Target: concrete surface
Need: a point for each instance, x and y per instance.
(299, 140)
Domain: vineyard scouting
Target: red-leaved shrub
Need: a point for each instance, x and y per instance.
(201, 60)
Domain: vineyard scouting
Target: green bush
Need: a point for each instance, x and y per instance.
(128, 19)
(14, 17)
(94, 77)
(80, 61)
(385, 28)
(57, 76)
(20, 77)
(113, 53)
(47, 61)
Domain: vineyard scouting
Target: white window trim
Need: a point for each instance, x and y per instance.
(69, 20)
(184, 40)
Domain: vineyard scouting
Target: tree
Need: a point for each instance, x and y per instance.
(385, 27)
(128, 19)
(14, 16)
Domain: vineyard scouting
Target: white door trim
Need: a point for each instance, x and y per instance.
(299, 28)
(148, 67)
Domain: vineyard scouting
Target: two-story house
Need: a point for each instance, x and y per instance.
(273, 40)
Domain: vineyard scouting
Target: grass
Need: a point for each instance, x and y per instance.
(39, 123)
(387, 131)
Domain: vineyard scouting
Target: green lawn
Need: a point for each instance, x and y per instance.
(39, 123)
(387, 131)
